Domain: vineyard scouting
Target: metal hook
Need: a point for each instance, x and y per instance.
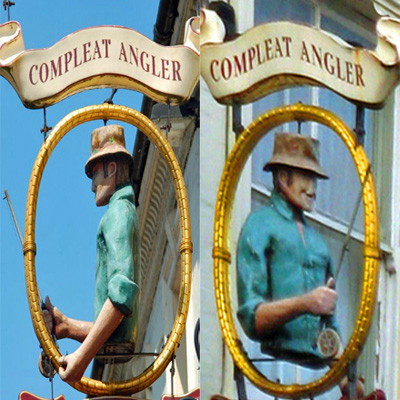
(237, 118)
(172, 370)
(45, 128)
(109, 100)
(299, 122)
(360, 124)
(168, 125)
(6, 5)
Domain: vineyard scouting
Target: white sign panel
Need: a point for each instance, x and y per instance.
(276, 55)
(98, 57)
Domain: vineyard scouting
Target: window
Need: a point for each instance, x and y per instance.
(336, 198)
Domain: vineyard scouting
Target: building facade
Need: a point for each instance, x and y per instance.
(355, 23)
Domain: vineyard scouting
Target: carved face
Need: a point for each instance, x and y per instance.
(103, 187)
(299, 188)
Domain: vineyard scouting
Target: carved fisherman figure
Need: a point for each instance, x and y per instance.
(285, 280)
(118, 258)
(285, 284)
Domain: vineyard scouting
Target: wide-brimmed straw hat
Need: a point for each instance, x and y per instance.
(297, 151)
(107, 140)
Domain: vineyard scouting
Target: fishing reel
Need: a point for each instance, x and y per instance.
(328, 343)
(45, 365)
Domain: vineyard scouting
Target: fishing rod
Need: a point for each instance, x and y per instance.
(7, 197)
(328, 340)
(45, 365)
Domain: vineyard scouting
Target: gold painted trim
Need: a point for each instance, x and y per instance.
(133, 117)
(185, 245)
(29, 246)
(223, 210)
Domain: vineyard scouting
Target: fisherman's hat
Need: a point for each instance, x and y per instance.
(107, 140)
(297, 151)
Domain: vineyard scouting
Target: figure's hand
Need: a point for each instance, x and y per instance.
(322, 300)
(72, 367)
(55, 320)
(344, 388)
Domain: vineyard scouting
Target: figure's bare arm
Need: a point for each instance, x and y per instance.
(74, 365)
(63, 326)
(77, 330)
(273, 315)
(270, 316)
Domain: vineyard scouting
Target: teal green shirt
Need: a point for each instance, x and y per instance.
(273, 264)
(118, 262)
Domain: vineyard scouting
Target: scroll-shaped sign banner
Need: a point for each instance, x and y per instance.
(277, 55)
(98, 57)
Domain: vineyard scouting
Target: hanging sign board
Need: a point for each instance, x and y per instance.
(29, 396)
(114, 398)
(277, 55)
(99, 57)
(194, 394)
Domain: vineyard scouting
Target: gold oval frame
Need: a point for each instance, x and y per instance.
(222, 257)
(133, 117)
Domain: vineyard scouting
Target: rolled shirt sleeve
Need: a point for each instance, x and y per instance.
(119, 236)
(252, 280)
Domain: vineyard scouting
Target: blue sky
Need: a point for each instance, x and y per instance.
(67, 217)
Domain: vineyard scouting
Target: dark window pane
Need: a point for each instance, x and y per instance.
(283, 10)
(333, 26)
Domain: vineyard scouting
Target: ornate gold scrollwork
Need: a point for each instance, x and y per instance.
(128, 115)
(227, 188)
